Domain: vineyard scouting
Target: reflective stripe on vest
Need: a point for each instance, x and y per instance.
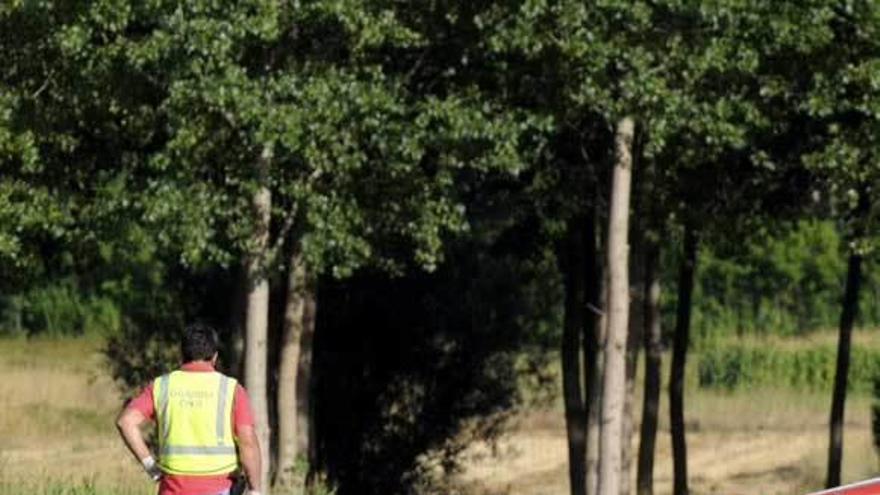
(194, 414)
(182, 449)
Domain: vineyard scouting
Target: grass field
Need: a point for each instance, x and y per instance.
(58, 436)
(764, 442)
(760, 441)
(57, 424)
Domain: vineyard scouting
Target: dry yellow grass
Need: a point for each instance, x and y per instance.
(759, 442)
(57, 426)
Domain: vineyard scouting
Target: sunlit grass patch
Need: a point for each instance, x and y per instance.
(58, 426)
(84, 486)
(68, 354)
(66, 420)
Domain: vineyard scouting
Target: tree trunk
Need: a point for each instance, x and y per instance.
(653, 357)
(575, 417)
(633, 346)
(596, 364)
(593, 329)
(847, 319)
(634, 341)
(308, 390)
(614, 379)
(679, 357)
(305, 381)
(257, 320)
(288, 385)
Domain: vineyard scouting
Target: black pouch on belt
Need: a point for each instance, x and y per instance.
(239, 485)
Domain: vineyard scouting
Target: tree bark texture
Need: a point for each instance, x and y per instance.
(575, 304)
(637, 226)
(633, 346)
(614, 379)
(288, 386)
(257, 319)
(848, 314)
(653, 359)
(305, 381)
(308, 380)
(679, 357)
(596, 364)
(592, 343)
(629, 402)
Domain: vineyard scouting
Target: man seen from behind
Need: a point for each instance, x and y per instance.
(204, 423)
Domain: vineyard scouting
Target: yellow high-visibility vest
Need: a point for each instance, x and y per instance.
(194, 416)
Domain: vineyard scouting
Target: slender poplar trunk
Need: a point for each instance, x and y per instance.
(594, 412)
(307, 444)
(653, 357)
(288, 390)
(575, 417)
(679, 357)
(614, 379)
(592, 343)
(633, 346)
(310, 376)
(848, 315)
(257, 320)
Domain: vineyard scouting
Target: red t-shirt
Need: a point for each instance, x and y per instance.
(176, 484)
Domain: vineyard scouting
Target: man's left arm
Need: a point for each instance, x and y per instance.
(129, 425)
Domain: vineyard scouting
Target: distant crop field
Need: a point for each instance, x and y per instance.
(804, 363)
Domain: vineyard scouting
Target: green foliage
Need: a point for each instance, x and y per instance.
(61, 309)
(841, 94)
(785, 280)
(361, 170)
(733, 366)
(110, 279)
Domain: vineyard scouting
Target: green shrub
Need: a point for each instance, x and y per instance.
(784, 280)
(59, 309)
(53, 310)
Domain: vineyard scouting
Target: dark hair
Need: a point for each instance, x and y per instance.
(199, 343)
